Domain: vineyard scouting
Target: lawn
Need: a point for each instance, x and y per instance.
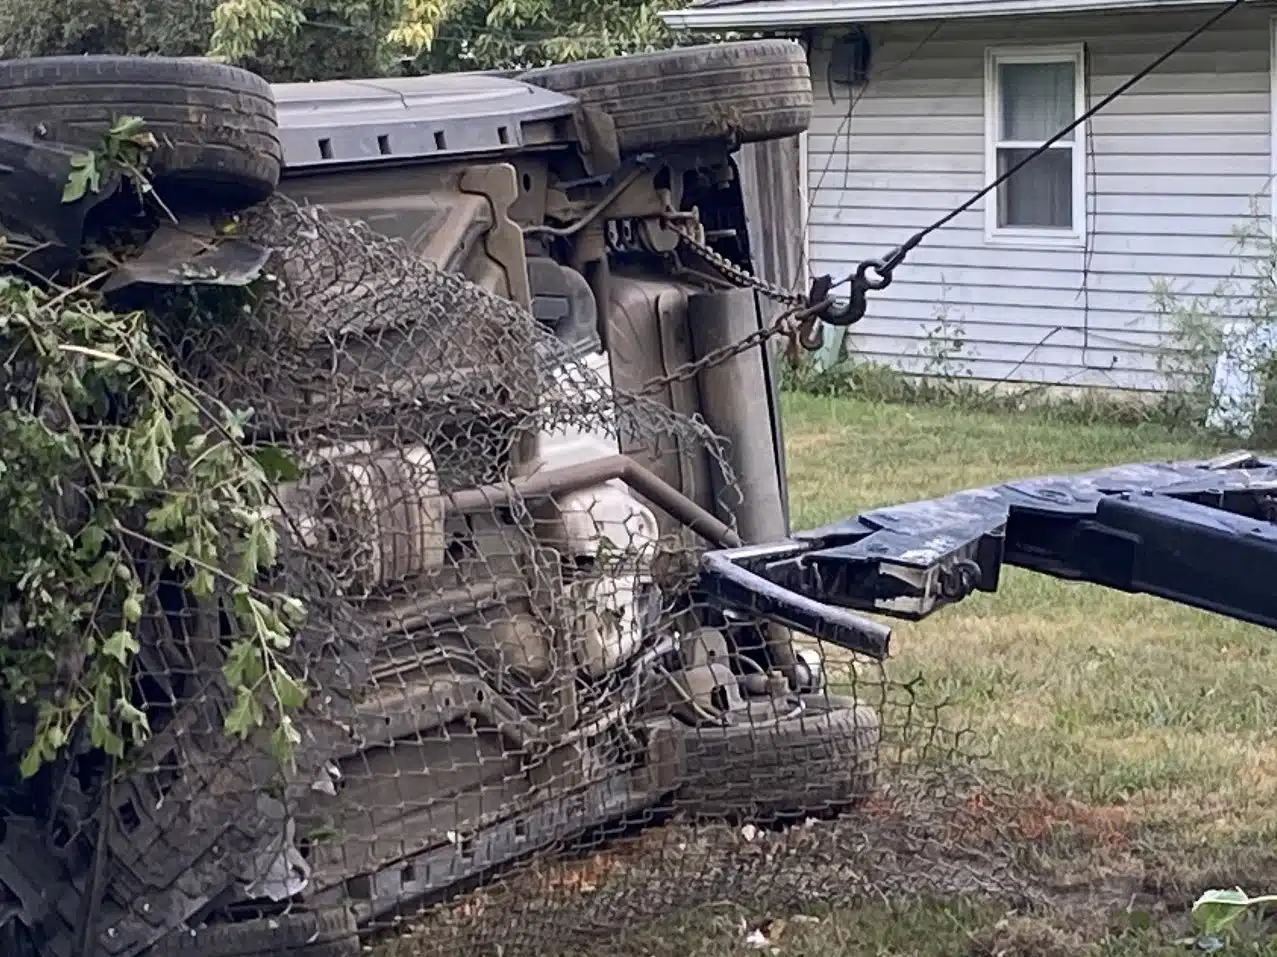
(1087, 693)
(1158, 715)
(1128, 744)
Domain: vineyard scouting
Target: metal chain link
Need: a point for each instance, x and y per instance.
(797, 322)
(735, 273)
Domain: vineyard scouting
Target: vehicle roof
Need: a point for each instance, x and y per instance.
(340, 122)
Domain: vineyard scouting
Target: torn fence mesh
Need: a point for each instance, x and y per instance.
(500, 673)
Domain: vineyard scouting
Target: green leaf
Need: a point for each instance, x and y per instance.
(293, 610)
(32, 760)
(167, 517)
(201, 584)
(112, 743)
(99, 728)
(1216, 911)
(83, 178)
(135, 718)
(132, 610)
(103, 570)
(258, 550)
(127, 126)
(245, 716)
(92, 538)
(278, 638)
(322, 833)
(289, 690)
(155, 451)
(276, 464)
(244, 667)
(284, 740)
(244, 603)
(121, 646)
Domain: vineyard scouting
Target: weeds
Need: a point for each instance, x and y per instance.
(1221, 349)
(1218, 361)
(874, 382)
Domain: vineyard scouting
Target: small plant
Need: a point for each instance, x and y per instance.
(1218, 913)
(946, 349)
(125, 148)
(108, 462)
(1221, 349)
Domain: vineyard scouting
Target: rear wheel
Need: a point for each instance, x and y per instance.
(216, 125)
(737, 92)
(824, 759)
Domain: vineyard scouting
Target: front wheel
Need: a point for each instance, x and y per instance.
(215, 126)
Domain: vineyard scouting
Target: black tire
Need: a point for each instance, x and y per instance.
(16, 940)
(324, 933)
(743, 92)
(217, 126)
(824, 760)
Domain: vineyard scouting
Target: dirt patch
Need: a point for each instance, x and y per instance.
(1035, 819)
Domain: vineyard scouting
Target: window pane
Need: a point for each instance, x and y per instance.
(1040, 194)
(1037, 100)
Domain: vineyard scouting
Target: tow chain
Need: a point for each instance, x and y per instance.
(799, 322)
(741, 277)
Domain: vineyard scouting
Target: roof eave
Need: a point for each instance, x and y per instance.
(781, 14)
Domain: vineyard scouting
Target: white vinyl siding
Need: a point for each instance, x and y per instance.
(1169, 170)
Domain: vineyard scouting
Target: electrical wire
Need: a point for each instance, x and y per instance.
(1090, 203)
(843, 131)
(876, 274)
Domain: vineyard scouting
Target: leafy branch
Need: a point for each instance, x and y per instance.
(1220, 353)
(117, 474)
(111, 469)
(125, 148)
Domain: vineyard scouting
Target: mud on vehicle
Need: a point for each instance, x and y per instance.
(513, 655)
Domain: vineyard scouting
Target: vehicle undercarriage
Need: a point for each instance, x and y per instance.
(495, 331)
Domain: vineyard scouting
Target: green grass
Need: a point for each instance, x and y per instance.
(924, 929)
(1122, 702)
(1081, 691)
(1139, 731)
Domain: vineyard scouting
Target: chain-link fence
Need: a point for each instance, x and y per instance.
(507, 722)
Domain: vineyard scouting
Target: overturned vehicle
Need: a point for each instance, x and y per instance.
(496, 338)
(500, 342)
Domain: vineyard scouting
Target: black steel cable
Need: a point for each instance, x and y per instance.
(876, 274)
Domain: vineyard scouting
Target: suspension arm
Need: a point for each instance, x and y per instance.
(1199, 533)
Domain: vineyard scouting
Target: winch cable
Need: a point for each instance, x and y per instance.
(873, 275)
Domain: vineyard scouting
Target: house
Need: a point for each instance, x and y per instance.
(919, 103)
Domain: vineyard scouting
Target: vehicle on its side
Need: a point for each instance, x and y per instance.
(604, 198)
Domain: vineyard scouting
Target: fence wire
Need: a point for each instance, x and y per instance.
(524, 732)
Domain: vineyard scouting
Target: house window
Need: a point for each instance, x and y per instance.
(1030, 95)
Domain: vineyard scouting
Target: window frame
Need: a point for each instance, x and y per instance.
(994, 57)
